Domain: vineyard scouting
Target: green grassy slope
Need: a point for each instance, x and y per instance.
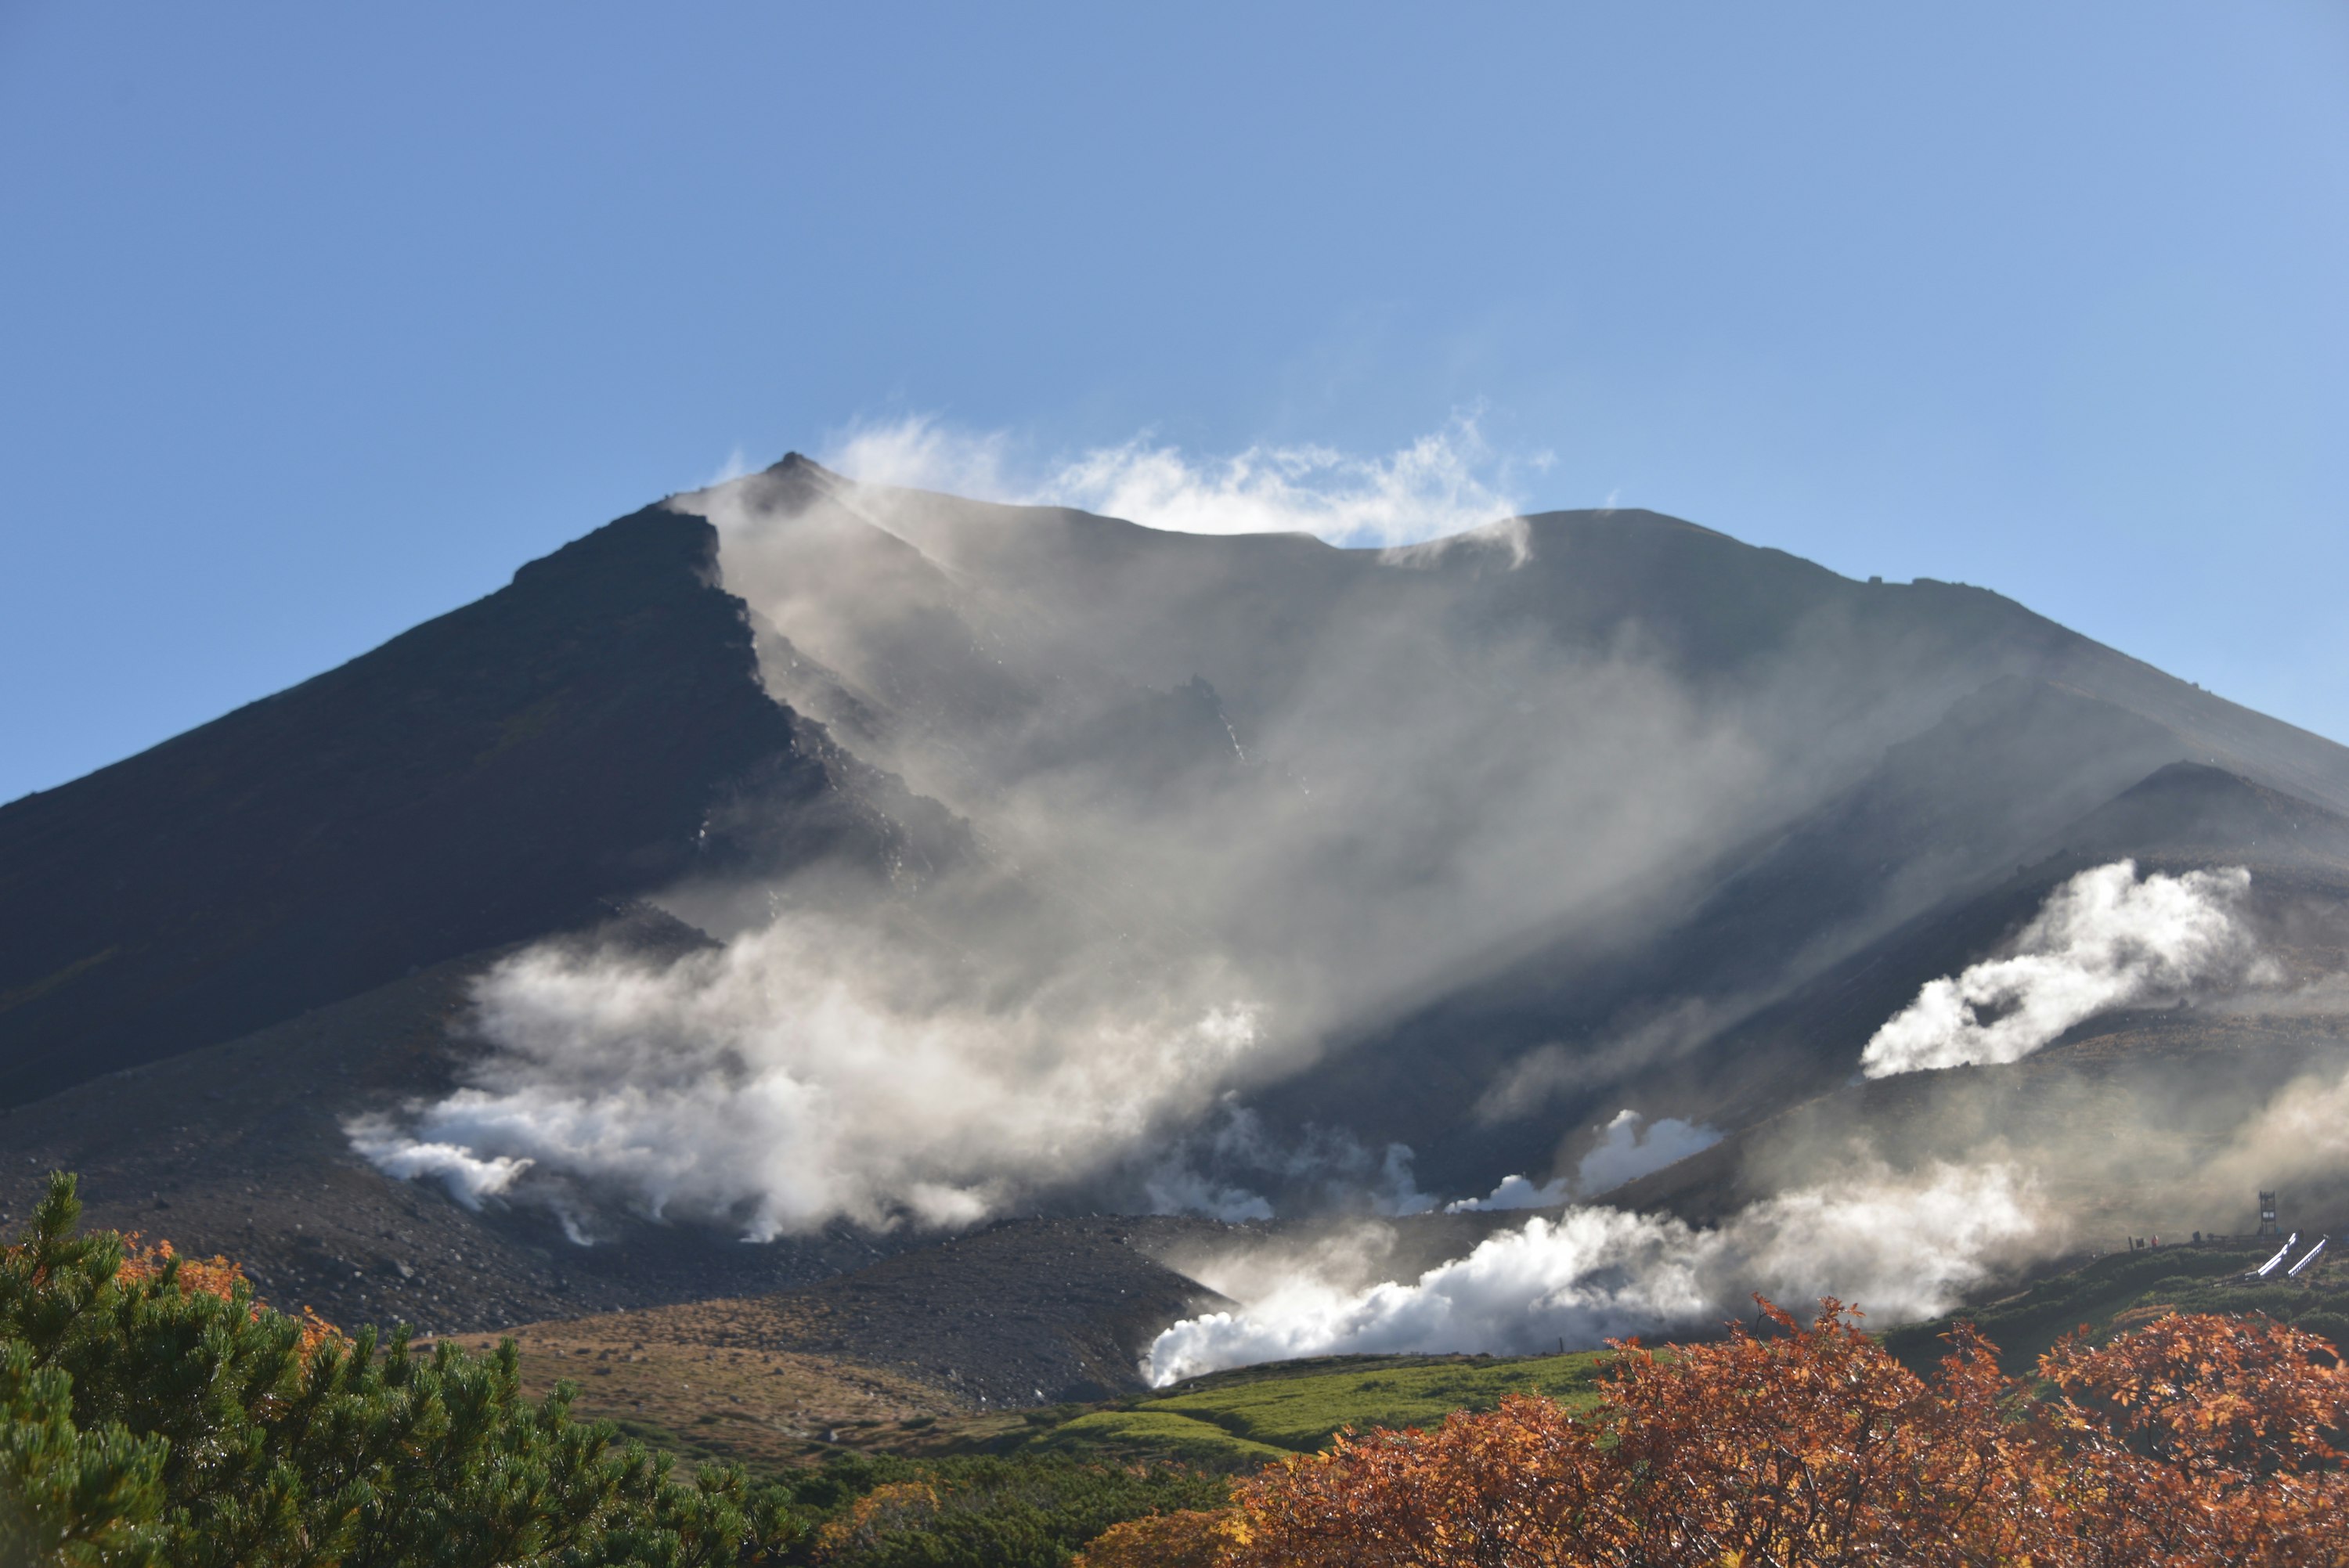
(1303, 1412)
(1157, 1434)
(2121, 1289)
(1238, 1420)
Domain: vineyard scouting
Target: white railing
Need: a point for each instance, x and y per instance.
(2269, 1267)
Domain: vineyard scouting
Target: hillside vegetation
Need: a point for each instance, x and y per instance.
(155, 1413)
(762, 1410)
(1240, 1420)
(2191, 1442)
(2123, 1290)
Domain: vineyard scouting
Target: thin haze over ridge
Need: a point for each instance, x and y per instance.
(1448, 481)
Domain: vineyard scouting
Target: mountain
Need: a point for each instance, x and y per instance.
(492, 776)
(2136, 1099)
(847, 866)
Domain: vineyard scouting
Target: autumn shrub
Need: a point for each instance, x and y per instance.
(2198, 1439)
(152, 1412)
(985, 1510)
(2333, 1326)
(1187, 1538)
(2193, 1442)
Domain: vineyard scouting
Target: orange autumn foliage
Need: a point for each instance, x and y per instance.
(1190, 1538)
(879, 1513)
(214, 1276)
(2191, 1443)
(2202, 1440)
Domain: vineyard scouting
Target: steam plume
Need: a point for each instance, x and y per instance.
(1625, 1152)
(2104, 940)
(1903, 1250)
(801, 1073)
(468, 1178)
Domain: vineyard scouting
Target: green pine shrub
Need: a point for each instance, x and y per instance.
(155, 1413)
(1024, 1510)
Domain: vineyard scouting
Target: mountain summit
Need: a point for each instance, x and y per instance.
(806, 860)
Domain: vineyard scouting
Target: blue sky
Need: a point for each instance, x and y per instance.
(318, 320)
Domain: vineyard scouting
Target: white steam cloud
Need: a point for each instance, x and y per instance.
(1517, 1192)
(2104, 940)
(1331, 1158)
(1446, 482)
(1207, 808)
(793, 1077)
(1628, 1151)
(1901, 1249)
(2301, 1133)
(468, 1178)
(1625, 1150)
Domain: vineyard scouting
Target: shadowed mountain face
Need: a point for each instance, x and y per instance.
(2153, 1117)
(490, 777)
(1727, 1013)
(1013, 858)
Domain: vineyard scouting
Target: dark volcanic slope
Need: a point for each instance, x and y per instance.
(2136, 1098)
(2140, 1100)
(1021, 1313)
(481, 780)
(238, 1149)
(2183, 817)
(1823, 932)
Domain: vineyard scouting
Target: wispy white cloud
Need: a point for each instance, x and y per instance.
(1449, 481)
(920, 451)
(737, 464)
